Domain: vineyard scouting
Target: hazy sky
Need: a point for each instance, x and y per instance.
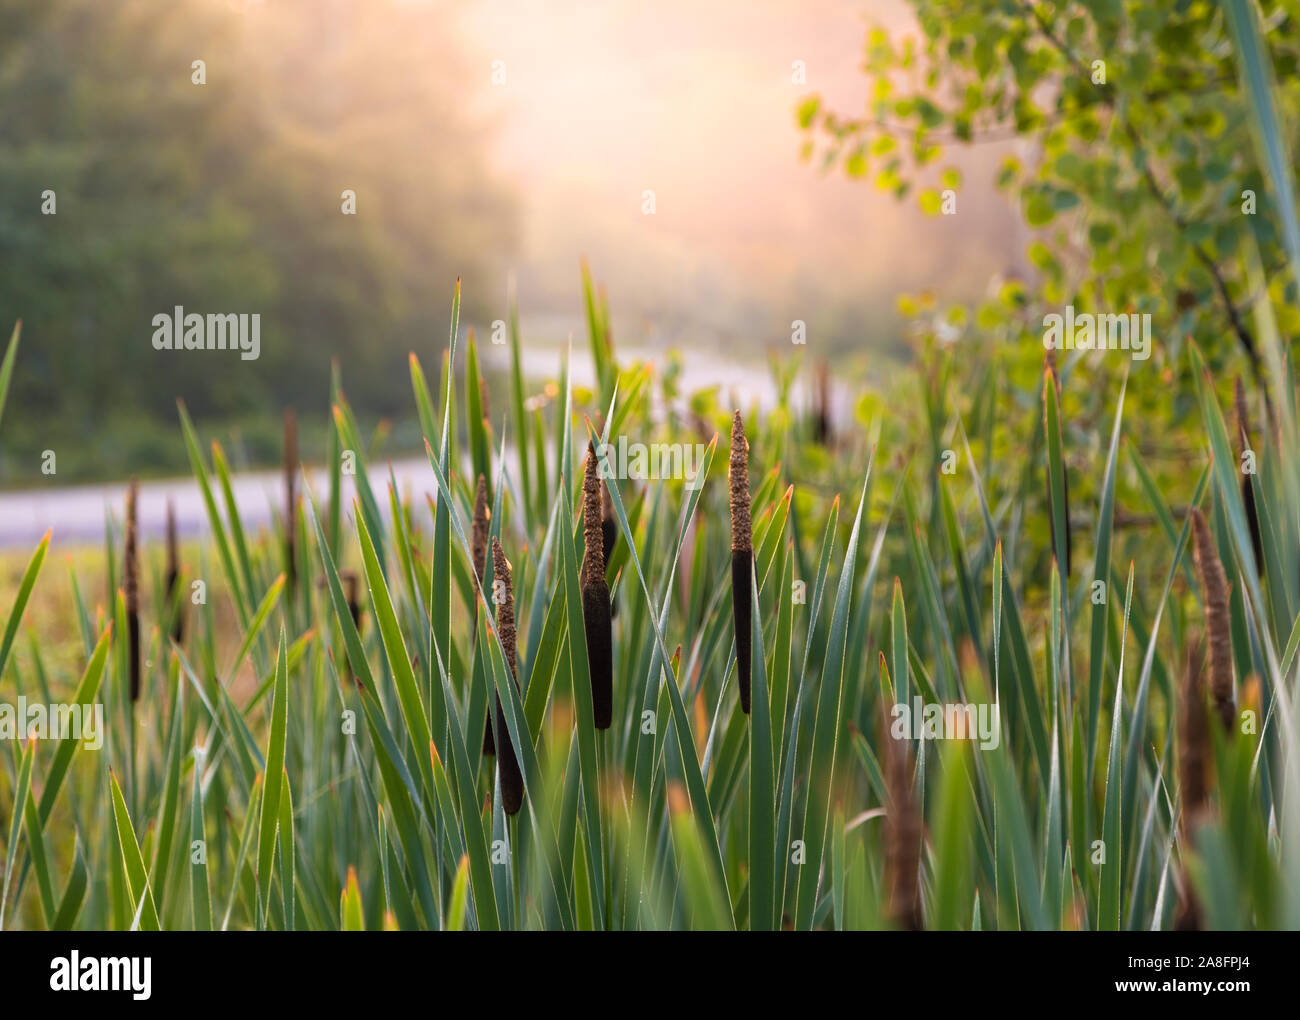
(694, 100)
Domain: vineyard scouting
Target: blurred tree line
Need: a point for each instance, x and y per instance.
(227, 197)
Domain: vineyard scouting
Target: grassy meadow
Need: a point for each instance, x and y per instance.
(552, 693)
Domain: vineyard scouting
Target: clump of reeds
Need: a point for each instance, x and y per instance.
(175, 605)
(1193, 772)
(479, 551)
(1218, 626)
(512, 779)
(742, 554)
(131, 587)
(903, 835)
(1247, 489)
(595, 599)
(290, 495)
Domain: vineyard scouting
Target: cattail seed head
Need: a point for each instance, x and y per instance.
(479, 529)
(742, 528)
(175, 606)
(595, 600)
(353, 594)
(512, 780)
(742, 556)
(506, 609)
(904, 832)
(131, 586)
(1214, 586)
(593, 560)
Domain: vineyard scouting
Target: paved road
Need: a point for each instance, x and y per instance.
(75, 515)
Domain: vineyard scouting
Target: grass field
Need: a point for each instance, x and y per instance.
(994, 651)
(356, 661)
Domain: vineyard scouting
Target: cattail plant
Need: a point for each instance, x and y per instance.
(353, 593)
(290, 496)
(512, 779)
(1247, 489)
(131, 587)
(742, 553)
(903, 836)
(1214, 586)
(1193, 772)
(479, 550)
(822, 405)
(595, 599)
(608, 535)
(175, 605)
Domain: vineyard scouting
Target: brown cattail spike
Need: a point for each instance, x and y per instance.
(479, 529)
(353, 597)
(131, 587)
(479, 550)
(742, 529)
(1193, 773)
(742, 556)
(609, 536)
(593, 562)
(822, 411)
(595, 600)
(512, 779)
(1214, 586)
(903, 835)
(290, 496)
(175, 606)
(1247, 467)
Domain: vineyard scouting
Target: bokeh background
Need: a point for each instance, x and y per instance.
(492, 141)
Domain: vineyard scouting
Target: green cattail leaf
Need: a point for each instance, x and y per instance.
(272, 787)
(137, 879)
(22, 787)
(25, 587)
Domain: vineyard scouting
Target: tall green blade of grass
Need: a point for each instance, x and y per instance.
(827, 726)
(137, 878)
(418, 730)
(517, 406)
(21, 789)
(7, 366)
(25, 587)
(1101, 571)
(200, 900)
(84, 696)
(1112, 871)
(214, 518)
(1255, 68)
(74, 893)
(272, 786)
(762, 807)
